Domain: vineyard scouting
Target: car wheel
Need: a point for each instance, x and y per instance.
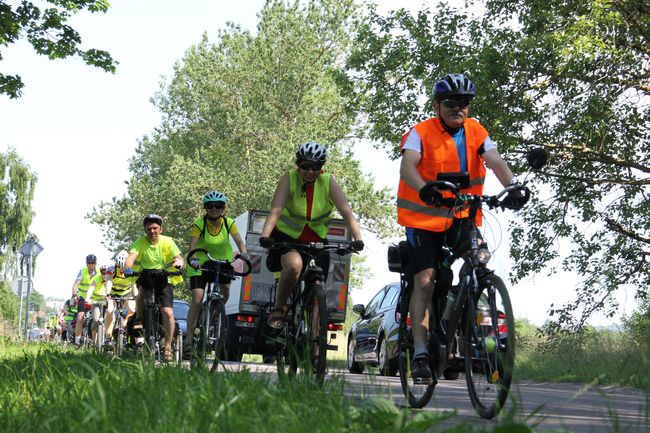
(387, 367)
(353, 366)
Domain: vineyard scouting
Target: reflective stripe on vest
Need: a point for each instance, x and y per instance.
(439, 155)
(121, 285)
(293, 219)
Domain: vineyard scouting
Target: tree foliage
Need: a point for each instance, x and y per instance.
(573, 76)
(17, 185)
(47, 31)
(233, 114)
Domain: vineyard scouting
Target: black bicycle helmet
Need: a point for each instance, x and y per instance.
(91, 258)
(454, 86)
(152, 218)
(311, 151)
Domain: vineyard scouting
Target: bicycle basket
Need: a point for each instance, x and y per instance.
(398, 256)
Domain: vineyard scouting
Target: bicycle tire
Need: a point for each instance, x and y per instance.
(488, 372)
(119, 344)
(217, 330)
(314, 347)
(202, 345)
(418, 395)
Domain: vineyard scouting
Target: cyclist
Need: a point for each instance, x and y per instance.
(69, 313)
(117, 284)
(87, 279)
(450, 142)
(300, 212)
(212, 232)
(156, 251)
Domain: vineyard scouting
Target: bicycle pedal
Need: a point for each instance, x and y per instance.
(423, 381)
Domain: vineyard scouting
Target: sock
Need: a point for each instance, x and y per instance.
(420, 350)
(77, 340)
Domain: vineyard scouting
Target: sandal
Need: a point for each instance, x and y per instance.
(168, 355)
(277, 319)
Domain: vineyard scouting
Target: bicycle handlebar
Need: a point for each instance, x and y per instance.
(492, 201)
(221, 262)
(341, 248)
(162, 272)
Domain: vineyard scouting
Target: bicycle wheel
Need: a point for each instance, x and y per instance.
(119, 344)
(417, 394)
(489, 361)
(203, 343)
(217, 330)
(312, 344)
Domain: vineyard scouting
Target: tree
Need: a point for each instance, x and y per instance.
(48, 32)
(233, 115)
(573, 76)
(17, 185)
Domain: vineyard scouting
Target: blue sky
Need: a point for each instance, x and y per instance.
(76, 126)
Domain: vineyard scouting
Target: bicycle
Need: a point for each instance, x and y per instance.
(98, 328)
(211, 323)
(119, 331)
(303, 341)
(473, 327)
(150, 280)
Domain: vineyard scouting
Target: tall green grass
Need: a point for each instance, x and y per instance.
(46, 388)
(602, 357)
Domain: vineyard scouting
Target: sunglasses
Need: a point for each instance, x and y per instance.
(455, 103)
(214, 206)
(91, 263)
(312, 167)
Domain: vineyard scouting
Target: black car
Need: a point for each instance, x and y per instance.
(373, 338)
(180, 314)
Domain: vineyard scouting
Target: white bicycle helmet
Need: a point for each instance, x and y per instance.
(120, 259)
(454, 86)
(214, 197)
(311, 151)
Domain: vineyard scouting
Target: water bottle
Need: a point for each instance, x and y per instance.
(451, 300)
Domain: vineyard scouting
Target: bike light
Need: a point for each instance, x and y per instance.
(483, 255)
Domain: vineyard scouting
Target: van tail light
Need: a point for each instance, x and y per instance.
(245, 318)
(334, 327)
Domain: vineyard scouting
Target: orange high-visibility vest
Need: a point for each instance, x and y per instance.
(439, 155)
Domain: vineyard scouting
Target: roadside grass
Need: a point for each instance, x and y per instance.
(598, 357)
(48, 388)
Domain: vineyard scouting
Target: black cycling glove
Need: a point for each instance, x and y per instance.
(266, 242)
(516, 199)
(357, 246)
(430, 195)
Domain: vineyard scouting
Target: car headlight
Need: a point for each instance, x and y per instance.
(483, 255)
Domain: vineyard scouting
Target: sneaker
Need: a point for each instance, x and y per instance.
(108, 344)
(421, 372)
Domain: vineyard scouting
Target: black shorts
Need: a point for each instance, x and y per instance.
(81, 305)
(164, 292)
(198, 281)
(425, 247)
(274, 263)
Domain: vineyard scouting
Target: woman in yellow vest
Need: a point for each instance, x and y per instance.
(300, 212)
(212, 232)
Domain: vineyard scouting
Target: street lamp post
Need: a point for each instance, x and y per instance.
(31, 249)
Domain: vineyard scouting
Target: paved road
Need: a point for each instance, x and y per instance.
(578, 409)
